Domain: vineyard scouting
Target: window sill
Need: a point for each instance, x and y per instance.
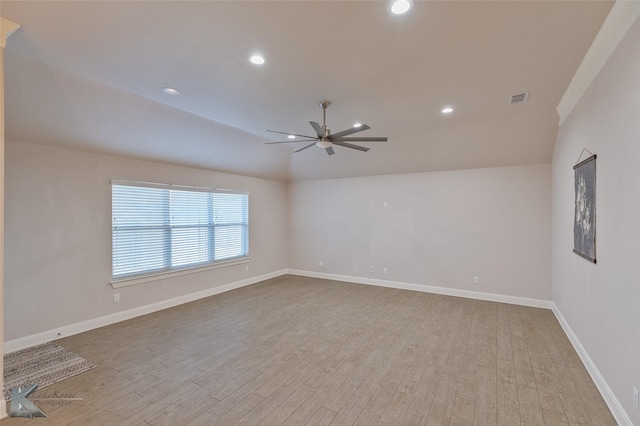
(164, 275)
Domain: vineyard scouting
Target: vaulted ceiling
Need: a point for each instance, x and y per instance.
(88, 75)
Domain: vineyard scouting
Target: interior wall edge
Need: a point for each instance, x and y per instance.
(609, 397)
(445, 291)
(620, 19)
(81, 327)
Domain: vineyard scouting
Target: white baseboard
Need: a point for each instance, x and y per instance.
(607, 394)
(69, 330)
(614, 405)
(491, 297)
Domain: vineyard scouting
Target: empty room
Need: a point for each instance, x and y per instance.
(404, 212)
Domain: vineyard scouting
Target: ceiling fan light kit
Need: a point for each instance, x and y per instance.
(325, 139)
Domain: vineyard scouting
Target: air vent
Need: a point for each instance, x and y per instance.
(519, 98)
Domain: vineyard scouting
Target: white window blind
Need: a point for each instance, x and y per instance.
(157, 228)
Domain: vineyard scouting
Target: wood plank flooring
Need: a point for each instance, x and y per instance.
(303, 351)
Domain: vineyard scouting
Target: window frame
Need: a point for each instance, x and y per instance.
(168, 270)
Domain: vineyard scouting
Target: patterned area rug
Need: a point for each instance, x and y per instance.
(42, 365)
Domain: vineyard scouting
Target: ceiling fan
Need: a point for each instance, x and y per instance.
(325, 139)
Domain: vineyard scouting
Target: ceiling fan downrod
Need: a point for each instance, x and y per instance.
(325, 129)
(324, 143)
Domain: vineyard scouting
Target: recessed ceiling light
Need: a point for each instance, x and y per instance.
(171, 91)
(447, 110)
(399, 7)
(257, 59)
(291, 136)
(356, 125)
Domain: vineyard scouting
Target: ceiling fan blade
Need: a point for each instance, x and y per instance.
(349, 131)
(308, 146)
(349, 145)
(290, 141)
(317, 128)
(294, 134)
(330, 150)
(362, 139)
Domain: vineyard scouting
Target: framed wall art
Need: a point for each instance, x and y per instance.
(584, 225)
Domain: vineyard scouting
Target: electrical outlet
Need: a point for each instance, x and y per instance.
(246, 268)
(476, 280)
(386, 204)
(564, 302)
(634, 396)
(370, 204)
(385, 270)
(116, 298)
(321, 263)
(370, 268)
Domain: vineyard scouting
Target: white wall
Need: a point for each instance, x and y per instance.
(603, 300)
(439, 229)
(58, 235)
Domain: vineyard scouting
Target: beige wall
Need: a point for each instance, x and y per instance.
(58, 235)
(439, 229)
(603, 300)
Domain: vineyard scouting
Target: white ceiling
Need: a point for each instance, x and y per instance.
(89, 75)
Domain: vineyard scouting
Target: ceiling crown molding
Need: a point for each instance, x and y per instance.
(7, 27)
(621, 17)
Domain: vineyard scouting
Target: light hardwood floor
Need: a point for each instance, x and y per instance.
(302, 351)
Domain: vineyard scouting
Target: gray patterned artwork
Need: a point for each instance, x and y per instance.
(584, 225)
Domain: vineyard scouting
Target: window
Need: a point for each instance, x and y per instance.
(159, 228)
